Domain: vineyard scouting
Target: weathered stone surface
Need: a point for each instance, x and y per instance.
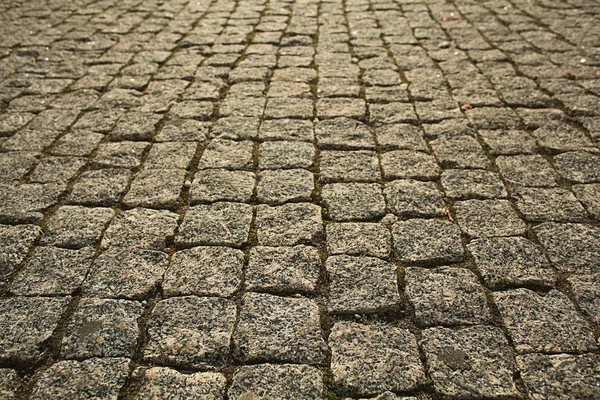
(76, 226)
(487, 218)
(560, 375)
(472, 184)
(427, 241)
(125, 273)
(587, 294)
(119, 154)
(227, 154)
(359, 239)
(546, 324)
(446, 296)
(190, 332)
(392, 113)
(53, 271)
(410, 198)
(353, 201)
(400, 137)
(14, 165)
(474, 362)
(513, 261)
(236, 128)
(271, 381)
(27, 323)
(548, 204)
(101, 187)
(578, 166)
(220, 223)
(340, 107)
(589, 196)
(361, 285)
(15, 242)
(526, 170)
(285, 154)
(283, 269)
(56, 169)
(25, 203)
(167, 383)
(282, 186)
(557, 136)
(141, 228)
(286, 129)
(508, 142)
(289, 224)
(183, 130)
(177, 155)
(102, 328)
(403, 164)
(459, 152)
(222, 185)
(9, 383)
(367, 360)
(155, 188)
(343, 134)
(349, 166)
(89, 379)
(204, 271)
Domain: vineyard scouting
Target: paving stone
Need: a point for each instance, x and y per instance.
(560, 375)
(341, 107)
(343, 134)
(474, 362)
(236, 128)
(90, 379)
(359, 239)
(353, 201)
(587, 294)
(30, 140)
(53, 271)
(190, 332)
(125, 273)
(78, 143)
(446, 296)
(571, 247)
(285, 154)
(141, 228)
(227, 154)
(589, 196)
(367, 360)
(216, 224)
(545, 324)
(167, 383)
(242, 106)
(282, 108)
(508, 142)
(400, 137)
(513, 261)
(448, 128)
(427, 241)
(14, 165)
(155, 188)
(579, 167)
(283, 269)
(204, 271)
(282, 186)
(183, 130)
(286, 129)
(487, 218)
(99, 188)
(349, 166)
(361, 285)
(176, 155)
(13, 121)
(437, 110)
(289, 224)
(404, 164)
(548, 204)
(271, 381)
(493, 118)
(102, 328)
(459, 152)
(76, 226)
(136, 126)
(119, 154)
(201, 110)
(556, 136)
(56, 169)
(222, 185)
(273, 328)
(27, 323)
(392, 113)
(9, 383)
(410, 198)
(472, 184)
(15, 242)
(527, 170)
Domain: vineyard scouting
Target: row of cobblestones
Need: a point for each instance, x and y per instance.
(299, 199)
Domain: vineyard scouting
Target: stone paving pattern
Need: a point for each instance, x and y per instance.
(299, 199)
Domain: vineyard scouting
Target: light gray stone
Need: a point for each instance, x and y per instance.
(349, 166)
(427, 241)
(410, 198)
(359, 239)
(222, 185)
(285, 154)
(548, 204)
(141, 228)
(472, 184)
(282, 186)
(527, 170)
(289, 224)
(487, 218)
(100, 187)
(227, 154)
(15, 242)
(167, 383)
(76, 226)
(405, 164)
(587, 294)
(353, 201)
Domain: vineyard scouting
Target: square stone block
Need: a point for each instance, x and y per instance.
(410, 198)
(167, 383)
(289, 224)
(472, 184)
(15, 242)
(285, 154)
(282, 186)
(427, 242)
(212, 185)
(343, 134)
(76, 226)
(459, 152)
(548, 204)
(353, 201)
(228, 154)
(359, 239)
(141, 228)
(487, 218)
(526, 170)
(405, 164)
(349, 166)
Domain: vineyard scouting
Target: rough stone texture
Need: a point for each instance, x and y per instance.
(508, 142)
(271, 381)
(400, 137)
(359, 239)
(90, 379)
(410, 198)
(53, 271)
(216, 224)
(343, 134)
(190, 332)
(227, 154)
(472, 184)
(403, 164)
(155, 188)
(282, 186)
(119, 154)
(25, 203)
(286, 129)
(273, 328)
(76, 226)
(578, 166)
(361, 285)
(102, 328)
(289, 224)
(556, 136)
(560, 376)
(27, 322)
(446, 296)
(548, 324)
(99, 188)
(125, 273)
(222, 185)
(474, 362)
(422, 241)
(487, 218)
(9, 383)
(526, 170)
(459, 152)
(548, 204)
(15, 242)
(353, 201)
(56, 169)
(141, 228)
(349, 166)
(283, 269)
(589, 196)
(285, 154)
(587, 294)
(513, 261)
(167, 383)
(367, 360)
(204, 271)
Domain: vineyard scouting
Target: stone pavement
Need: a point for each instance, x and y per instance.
(299, 199)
